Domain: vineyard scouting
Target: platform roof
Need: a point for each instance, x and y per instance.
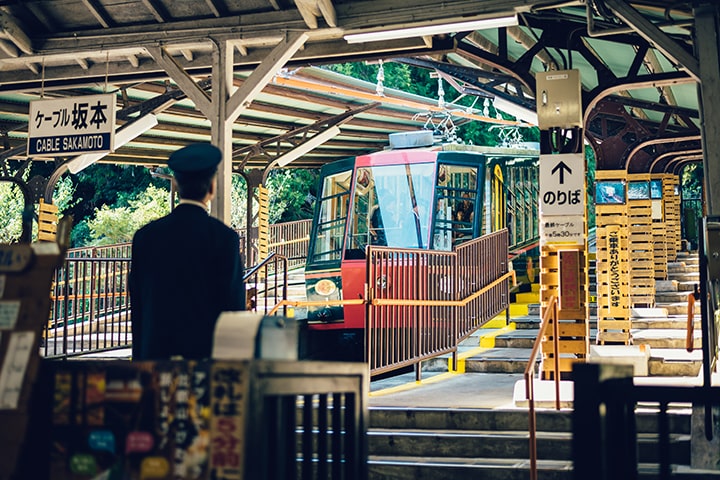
(635, 57)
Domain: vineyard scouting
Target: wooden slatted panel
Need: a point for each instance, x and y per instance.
(47, 221)
(641, 247)
(672, 215)
(573, 326)
(613, 287)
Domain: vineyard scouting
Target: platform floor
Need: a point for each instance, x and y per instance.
(484, 390)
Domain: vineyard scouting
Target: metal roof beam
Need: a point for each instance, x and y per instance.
(198, 95)
(262, 75)
(647, 30)
(156, 10)
(10, 29)
(99, 13)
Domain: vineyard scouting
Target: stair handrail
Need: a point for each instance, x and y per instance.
(551, 314)
(690, 334)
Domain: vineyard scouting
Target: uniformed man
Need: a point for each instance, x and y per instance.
(186, 267)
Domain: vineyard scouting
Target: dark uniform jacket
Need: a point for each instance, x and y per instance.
(185, 270)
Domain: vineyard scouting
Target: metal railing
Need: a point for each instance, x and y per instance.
(90, 303)
(605, 437)
(266, 284)
(422, 303)
(550, 316)
(289, 239)
(90, 306)
(310, 421)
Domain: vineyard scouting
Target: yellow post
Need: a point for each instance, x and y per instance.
(47, 221)
(263, 222)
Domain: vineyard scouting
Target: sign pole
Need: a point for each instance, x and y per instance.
(563, 218)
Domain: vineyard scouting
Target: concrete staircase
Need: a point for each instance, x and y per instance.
(658, 333)
(457, 444)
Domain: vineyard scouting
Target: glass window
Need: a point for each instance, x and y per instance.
(455, 206)
(390, 207)
(331, 218)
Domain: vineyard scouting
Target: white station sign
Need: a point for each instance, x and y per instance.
(72, 125)
(562, 184)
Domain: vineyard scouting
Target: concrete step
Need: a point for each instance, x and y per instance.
(435, 443)
(687, 276)
(675, 362)
(485, 360)
(681, 267)
(665, 338)
(672, 322)
(680, 308)
(673, 297)
(464, 469)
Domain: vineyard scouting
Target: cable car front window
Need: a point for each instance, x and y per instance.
(390, 207)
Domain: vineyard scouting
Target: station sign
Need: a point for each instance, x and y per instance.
(562, 184)
(71, 126)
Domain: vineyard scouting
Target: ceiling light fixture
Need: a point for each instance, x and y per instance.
(124, 135)
(466, 26)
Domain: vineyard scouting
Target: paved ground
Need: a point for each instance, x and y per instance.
(450, 390)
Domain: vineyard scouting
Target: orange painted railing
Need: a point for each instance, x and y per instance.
(550, 316)
(690, 335)
(423, 303)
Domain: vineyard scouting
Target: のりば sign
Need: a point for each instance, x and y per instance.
(72, 125)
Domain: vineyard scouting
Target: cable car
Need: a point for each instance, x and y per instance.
(424, 197)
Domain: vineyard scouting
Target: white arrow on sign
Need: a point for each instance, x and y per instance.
(562, 184)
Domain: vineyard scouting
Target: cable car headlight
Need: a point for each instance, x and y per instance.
(325, 287)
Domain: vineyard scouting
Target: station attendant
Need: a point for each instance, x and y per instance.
(186, 267)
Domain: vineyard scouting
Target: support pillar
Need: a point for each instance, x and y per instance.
(707, 43)
(227, 102)
(563, 219)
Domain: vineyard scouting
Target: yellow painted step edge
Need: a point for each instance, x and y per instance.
(487, 341)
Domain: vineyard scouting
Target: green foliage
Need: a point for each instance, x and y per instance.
(691, 180)
(11, 208)
(12, 204)
(112, 225)
(289, 194)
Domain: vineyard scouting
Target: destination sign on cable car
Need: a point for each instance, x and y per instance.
(72, 125)
(562, 184)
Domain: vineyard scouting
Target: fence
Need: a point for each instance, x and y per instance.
(605, 437)
(90, 307)
(422, 303)
(289, 239)
(90, 304)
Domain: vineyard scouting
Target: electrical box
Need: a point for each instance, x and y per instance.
(712, 250)
(559, 99)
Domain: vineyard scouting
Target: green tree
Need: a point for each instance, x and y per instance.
(12, 204)
(111, 225)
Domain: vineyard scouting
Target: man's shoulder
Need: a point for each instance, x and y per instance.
(221, 228)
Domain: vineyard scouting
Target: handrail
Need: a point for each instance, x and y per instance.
(690, 335)
(251, 271)
(551, 314)
(398, 302)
